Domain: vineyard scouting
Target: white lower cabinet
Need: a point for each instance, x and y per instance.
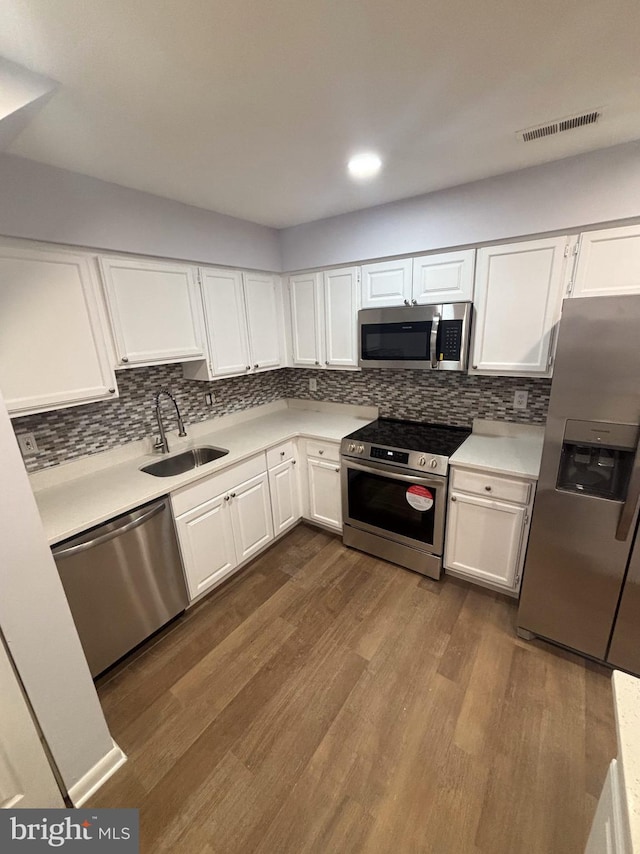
(487, 528)
(251, 516)
(285, 495)
(608, 832)
(322, 501)
(206, 542)
(221, 522)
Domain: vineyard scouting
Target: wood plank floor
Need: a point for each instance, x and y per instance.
(326, 701)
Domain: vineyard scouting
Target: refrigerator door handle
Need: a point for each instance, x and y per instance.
(629, 507)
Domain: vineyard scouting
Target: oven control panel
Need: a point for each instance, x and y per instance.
(416, 460)
(389, 455)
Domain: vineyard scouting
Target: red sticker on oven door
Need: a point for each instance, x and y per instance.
(419, 498)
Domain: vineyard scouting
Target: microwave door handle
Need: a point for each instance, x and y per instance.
(629, 507)
(435, 324)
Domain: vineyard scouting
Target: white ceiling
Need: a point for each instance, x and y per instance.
(252, 107)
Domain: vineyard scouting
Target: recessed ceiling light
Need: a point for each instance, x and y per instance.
(365, 165)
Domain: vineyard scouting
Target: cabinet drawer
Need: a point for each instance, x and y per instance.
(191, 496)
(280, 454)
(491, 486)
(323, 450)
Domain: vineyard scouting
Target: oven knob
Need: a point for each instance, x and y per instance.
(352, 447)
(361, 449)
(422, 461)
(434, 464)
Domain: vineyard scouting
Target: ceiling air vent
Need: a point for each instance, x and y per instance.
(559, 125)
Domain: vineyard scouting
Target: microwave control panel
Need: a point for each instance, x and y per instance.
(450, 341)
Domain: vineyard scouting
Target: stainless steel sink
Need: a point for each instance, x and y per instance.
(185, 461)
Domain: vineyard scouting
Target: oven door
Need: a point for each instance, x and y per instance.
(389, 501)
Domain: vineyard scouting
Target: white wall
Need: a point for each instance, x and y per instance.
(39, 630)
(602, 186)
(45, 203)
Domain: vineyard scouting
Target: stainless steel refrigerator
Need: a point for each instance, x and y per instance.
(581, 583)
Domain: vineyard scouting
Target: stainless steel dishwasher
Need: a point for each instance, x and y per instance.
(123, 580)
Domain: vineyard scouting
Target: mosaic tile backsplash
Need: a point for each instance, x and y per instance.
(68, 434)
(447, 397)
(452, 398)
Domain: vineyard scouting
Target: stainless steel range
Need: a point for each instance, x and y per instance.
(394, 490)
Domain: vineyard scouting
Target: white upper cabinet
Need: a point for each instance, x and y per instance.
(324, 318)
(155, 310)
(305, 293)
(244, 324)
(445, 277)
(341, 317)
(518, 300)
(264, 320)
(54, 347)
(608, 263)
(223, 298)
(386, 283)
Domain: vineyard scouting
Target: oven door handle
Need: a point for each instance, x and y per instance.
(433, 340)
(394, 474)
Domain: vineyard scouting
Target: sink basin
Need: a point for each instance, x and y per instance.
(183, 462)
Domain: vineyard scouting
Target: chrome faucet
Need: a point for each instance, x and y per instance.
(161, 444)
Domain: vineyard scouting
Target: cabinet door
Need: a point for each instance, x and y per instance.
(324, 492)
(155, 310)
(386, 283)
(53, 336)
(306, 319)
(445, 277)
(608, 263)
(285, 500)
(251, 516)
(263, 302)
(26, 778)
(205, 535)
(226, 321)
(341, 317)
(483, 538)
(518, 299)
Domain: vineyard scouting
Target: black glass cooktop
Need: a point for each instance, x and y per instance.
(412, 436)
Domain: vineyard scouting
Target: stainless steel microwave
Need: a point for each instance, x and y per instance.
(430, 337)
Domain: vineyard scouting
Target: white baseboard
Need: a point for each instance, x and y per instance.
(97, 776)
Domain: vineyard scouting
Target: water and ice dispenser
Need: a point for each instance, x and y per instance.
(597, 458)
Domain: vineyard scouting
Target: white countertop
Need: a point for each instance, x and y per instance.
(79, 501)
(626, 696)
(502, 447)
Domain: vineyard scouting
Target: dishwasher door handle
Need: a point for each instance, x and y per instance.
(110, 535)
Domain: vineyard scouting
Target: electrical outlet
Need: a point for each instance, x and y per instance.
(313, 384)
(520, 399)
(209, 398)
(28, 444)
